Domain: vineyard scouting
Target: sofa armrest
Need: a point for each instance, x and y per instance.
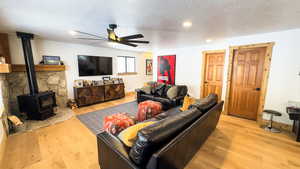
(139, 91)
(112, 154)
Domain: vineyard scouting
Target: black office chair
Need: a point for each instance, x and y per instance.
(270, 126)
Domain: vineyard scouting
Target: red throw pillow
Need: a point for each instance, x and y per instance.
(148, 109)
(115, 123)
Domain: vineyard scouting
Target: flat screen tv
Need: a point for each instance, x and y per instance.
(94, 65)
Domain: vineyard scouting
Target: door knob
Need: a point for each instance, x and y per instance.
(257, 89)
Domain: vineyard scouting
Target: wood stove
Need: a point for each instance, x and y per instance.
(37, 105)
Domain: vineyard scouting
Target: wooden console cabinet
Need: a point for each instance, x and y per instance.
(96, 94)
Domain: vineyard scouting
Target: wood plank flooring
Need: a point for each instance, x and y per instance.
(235, 144)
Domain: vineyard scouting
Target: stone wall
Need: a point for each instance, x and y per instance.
(55, 81)
(4, 98)
(4, 95)
(4, 91)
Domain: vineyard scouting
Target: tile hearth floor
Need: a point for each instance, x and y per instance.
(235, 144)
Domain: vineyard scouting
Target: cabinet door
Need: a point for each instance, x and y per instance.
(120, 90)
(83, 92)
(84, 96)
(98, 93)
(114, 91)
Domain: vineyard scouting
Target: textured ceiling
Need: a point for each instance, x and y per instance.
(159, 20)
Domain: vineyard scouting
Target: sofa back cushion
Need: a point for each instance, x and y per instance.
(172, 93)
(151, 138)
(146, 89)
(182, 90)
(206, 103)
(167, 87)
(158, 91)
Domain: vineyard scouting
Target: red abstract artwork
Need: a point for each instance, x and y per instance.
(166, 69)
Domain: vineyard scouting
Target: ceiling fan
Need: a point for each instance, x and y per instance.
(112, 37)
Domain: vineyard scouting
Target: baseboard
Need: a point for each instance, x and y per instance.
(130, 93)
(278, 125)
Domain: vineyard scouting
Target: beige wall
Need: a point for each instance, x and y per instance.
(68, 53)
(284, 79)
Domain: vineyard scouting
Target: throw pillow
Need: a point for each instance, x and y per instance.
(167, 87)
(146, 89)
(159, 90)
(172, 92)
(187, 102)
(128, 136)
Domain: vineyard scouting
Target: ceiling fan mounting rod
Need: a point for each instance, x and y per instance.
(113, 26)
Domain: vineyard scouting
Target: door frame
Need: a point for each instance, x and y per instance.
(265, 78)
(203, 71)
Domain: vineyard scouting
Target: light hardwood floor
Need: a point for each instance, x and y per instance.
(235, 144)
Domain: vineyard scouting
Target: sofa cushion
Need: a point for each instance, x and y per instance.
(159, 90)
(206, 103)
(146, 89)
(172, 92)
(128, 136)
(152, 138)
(147, 96)
(167, 87)
(166, 103)
(182, 90)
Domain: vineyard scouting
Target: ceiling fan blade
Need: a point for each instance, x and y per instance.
(127, 43)
(90, 39)
(137, 36)
(89, 34)
(136, 41)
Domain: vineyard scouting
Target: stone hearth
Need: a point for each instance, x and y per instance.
(55, 81)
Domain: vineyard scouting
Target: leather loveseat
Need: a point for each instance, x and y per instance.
(168, 144)
(162, 97)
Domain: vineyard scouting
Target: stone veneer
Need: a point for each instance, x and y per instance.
(55, 81)
(4, 97)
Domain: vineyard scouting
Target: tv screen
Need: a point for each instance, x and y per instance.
(94, 65)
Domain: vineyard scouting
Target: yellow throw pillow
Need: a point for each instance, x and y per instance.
(128, 136)
(187, 102)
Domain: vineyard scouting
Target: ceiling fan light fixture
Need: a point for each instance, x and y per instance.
(73, 33)
(208, 40)
(187, 24)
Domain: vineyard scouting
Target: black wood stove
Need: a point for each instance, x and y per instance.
(37, 105)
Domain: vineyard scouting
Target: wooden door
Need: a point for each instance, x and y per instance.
(246, 82)
(213, 76)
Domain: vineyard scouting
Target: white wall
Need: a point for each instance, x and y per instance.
(284, 81)
(68, 53)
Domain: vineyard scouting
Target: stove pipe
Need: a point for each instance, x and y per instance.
(28, 56)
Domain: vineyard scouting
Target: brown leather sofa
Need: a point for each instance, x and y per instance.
(168, 144)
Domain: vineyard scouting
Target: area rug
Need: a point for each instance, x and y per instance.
(94, 120)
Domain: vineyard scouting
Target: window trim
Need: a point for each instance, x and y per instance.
(126, 72)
